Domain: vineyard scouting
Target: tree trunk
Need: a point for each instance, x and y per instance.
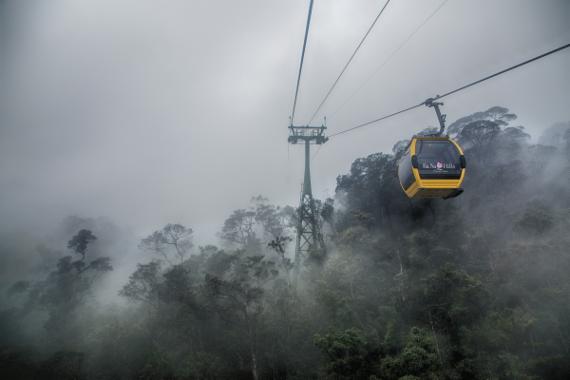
(435, 338)
(254, 364)
(251, 339)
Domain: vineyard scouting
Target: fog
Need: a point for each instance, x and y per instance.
(134, 134)
(148, 113)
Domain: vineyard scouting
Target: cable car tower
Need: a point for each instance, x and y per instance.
(310, 242)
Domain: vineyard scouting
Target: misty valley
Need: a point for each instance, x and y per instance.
(474, 287)
(285, 190)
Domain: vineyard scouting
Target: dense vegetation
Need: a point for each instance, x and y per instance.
(471, 288)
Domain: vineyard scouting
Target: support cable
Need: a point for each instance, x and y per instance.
(302, 59)
(389, 58)
(377, 120)
(453, 91)
(504, 71)
(349, 61)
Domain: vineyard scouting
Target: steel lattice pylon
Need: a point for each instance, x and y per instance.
(310, 242)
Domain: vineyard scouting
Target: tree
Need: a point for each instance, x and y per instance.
(418, 359)
(479, 135)
(536, 219)
(346, 353)
(238, 296)
(68, 286)
(143, 283)
(279, 245)
(371, 193)
(246, 228)
(239, 229)
(174, 240)
(80, 242)
(497, 115)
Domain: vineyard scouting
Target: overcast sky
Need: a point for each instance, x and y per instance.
(151, 112)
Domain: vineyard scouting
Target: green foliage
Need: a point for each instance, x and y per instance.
(246, 228)
(346, 353)
(418, 359)
(143, 283)
(470, 288)
(203, 365)
(156, 366)
(454, 299)
(536, 220)
(63, 365)
(173, 241)
(79, 242)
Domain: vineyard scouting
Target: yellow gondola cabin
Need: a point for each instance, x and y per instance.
(432, 167)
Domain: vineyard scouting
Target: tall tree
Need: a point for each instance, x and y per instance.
(173, 241)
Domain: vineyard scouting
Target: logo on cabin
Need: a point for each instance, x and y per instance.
(437, 165)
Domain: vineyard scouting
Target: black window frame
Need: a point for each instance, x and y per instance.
(454, 173)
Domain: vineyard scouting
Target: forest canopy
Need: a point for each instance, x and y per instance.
(475, 287)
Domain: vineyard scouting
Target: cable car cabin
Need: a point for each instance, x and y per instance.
(432, 167)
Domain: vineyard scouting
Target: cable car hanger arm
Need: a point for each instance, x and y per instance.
(440, 117)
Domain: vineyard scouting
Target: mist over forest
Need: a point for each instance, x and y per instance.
(151, 157)
(474, 287)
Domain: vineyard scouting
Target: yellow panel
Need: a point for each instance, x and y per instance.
(412, 190)
(432, 188)
(413, 147)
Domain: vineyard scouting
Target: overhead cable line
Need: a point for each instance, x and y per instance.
(349, 61)
(389, 58)
(302, 59)
(425, 102)
(504, 71)
(377, 120)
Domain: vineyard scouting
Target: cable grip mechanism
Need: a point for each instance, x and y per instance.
(431, 102)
